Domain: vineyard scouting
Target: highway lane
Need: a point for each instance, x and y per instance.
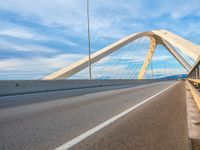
(160, 124)
(49, 124)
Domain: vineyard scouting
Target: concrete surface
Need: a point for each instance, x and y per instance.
(13, 87)
(193, 116)
(23, 99)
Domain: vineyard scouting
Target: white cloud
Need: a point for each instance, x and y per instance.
(51, 12)
(9, 46)
(9, 64)
(55, 62)
(16, 32)
(109, 19)
(161, 72)
(162, 58)
(36, 66)
(28, 34)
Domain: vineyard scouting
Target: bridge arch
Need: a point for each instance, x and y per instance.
(162, 37)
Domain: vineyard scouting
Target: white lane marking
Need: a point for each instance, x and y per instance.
(88, 133)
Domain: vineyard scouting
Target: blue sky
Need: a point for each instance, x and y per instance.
(38, 37)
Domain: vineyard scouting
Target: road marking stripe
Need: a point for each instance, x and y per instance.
(88, 133)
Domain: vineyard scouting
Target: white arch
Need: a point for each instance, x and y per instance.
(163, 37)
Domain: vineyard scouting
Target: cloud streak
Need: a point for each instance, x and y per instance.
(35, 67)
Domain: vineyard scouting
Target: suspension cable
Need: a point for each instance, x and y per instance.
(139, 56)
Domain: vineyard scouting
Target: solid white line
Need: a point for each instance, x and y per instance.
(88, 133)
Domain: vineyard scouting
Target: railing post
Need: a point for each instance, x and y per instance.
(197, 70)
(197, 76)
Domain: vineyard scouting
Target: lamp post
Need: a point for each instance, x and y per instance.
(89, 47)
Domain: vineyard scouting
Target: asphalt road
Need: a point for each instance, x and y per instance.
(52, 119)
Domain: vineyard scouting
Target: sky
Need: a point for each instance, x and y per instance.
(38, 37)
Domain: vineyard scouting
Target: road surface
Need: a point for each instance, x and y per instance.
(157, 119)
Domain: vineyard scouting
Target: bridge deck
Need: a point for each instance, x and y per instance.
(159, 123)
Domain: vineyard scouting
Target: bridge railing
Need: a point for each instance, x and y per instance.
(194, 91)
(193, 81)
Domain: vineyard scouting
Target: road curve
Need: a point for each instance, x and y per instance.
(158, 124)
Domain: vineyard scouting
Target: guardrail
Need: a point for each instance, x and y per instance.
(14, 87)
(195, 93)
(197, 81)
(193, 80)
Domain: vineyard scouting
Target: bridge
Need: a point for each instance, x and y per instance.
(122, 110)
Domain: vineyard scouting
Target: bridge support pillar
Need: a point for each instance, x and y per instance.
(148, 57)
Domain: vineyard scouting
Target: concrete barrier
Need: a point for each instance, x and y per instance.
(15, 87)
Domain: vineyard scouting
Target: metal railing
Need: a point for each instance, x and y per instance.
(195, 93)
(193, 81)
